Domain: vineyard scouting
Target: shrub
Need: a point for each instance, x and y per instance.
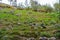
(57, 34)
(45, 34)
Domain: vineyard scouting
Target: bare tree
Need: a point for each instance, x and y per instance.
(26, 3)
(0, 0)
(34, 4)
(14, 3)
(15, 0)
(10, 1)
(20, 5)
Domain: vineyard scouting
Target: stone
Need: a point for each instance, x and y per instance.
(11, 12)
(18, 14)
(52, 38)
(1, 8)
(29, 12)
(42, 25)
(32, 38)
(23, 38)
(43, 38)
(18, 23)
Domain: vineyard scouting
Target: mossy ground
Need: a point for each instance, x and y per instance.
(27, 23)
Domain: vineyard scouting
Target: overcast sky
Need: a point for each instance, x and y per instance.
(51, 2)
